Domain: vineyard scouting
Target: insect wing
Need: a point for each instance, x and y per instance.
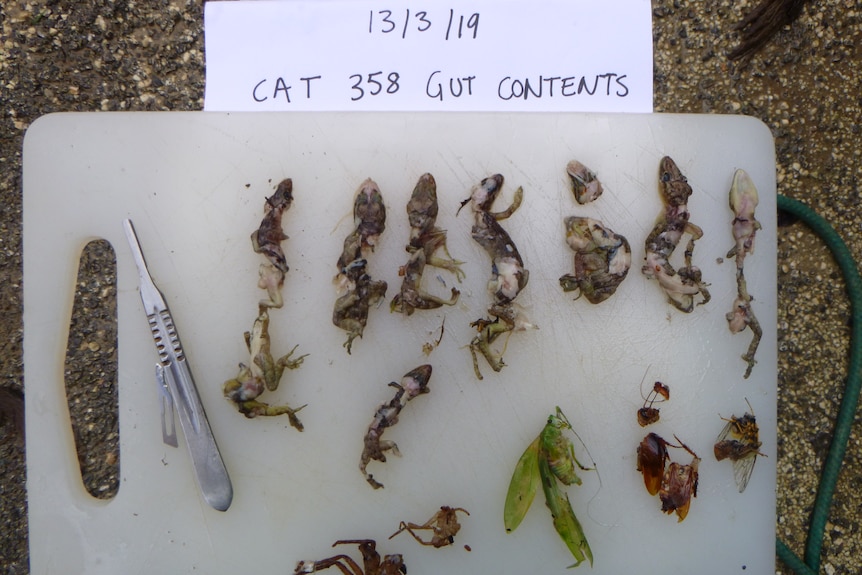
(565, 521)
(678, 487)
(742, 470)
(728, 432)
(522, 487)
(652, 456)
(739, 442)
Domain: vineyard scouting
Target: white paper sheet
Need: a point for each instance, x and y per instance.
(483, 55)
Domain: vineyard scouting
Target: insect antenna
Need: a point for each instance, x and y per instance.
(641, 384)
(594, 467)
(659, 389)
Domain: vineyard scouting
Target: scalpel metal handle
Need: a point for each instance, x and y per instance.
(209, 467)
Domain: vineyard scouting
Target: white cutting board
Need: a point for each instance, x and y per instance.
(194, 185)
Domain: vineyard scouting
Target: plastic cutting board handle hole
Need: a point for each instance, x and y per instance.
(90, 370)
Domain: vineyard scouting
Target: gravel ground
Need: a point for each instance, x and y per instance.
(60, 55)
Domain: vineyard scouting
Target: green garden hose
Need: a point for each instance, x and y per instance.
(846, 412)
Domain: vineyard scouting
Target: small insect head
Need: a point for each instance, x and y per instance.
(560, 421)
(648, 414)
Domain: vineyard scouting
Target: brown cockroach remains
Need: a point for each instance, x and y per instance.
(443, 525)
(508, 275)
(357, 292)
(674, 483)
(425, 241)
(373, 565)
(648, 414)
(413, 384)
(739, 441)
(743, 201)
(652, 459)
(683, 284)
(679, 486)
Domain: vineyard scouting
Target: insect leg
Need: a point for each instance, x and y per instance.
(565, 521)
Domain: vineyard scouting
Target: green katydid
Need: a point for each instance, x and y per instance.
(549, 458)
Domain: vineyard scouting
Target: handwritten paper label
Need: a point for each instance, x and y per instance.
(482, 55)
